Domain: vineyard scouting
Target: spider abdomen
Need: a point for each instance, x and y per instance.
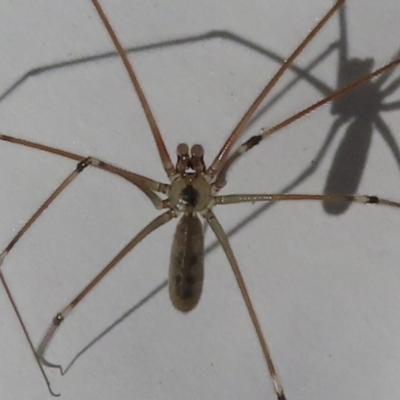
(186, 270)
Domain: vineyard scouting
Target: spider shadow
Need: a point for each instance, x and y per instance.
(359, 112)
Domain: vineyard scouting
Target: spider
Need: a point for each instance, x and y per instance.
(190, 191)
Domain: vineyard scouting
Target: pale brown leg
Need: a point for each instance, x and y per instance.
(79, 168)
(216, 165)
(60, 317)
(14, 306)
(252, 198)
(143, 183)
(222, 238)
(266, 132)
(144, 186)
(162, 150)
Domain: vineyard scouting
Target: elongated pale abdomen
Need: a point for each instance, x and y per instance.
(186, 269)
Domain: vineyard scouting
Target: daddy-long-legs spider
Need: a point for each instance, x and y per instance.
(225, 366)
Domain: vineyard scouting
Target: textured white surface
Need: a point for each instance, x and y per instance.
(326, 287)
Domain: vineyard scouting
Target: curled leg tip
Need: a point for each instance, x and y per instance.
(53, 393)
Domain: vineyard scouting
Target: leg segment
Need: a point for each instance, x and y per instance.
(253, 198)
(162, 150)
(14, 306)
(217, 163)
(60, 317)
(79, 168)
(143, 183)
(145, 187)
(222, 238)
(265, 132)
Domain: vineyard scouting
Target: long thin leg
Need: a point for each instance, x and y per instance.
(265, 132)
(14, 306)
(325, 90)
(114, 324)
(222, 238)
(352, 86)
(162, 150)
(223, 153)
(158, 203)
(143, 183)
(221, 178)
(252, 198)
(382, 79)
(60, 317)
(79, 168)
